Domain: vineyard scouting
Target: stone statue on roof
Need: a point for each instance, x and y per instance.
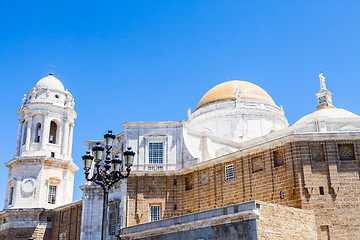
(237, 94)
(322, 81)
(24, 100)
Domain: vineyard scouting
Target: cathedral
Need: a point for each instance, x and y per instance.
(234, 170)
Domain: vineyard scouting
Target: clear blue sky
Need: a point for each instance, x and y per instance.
(152, 60)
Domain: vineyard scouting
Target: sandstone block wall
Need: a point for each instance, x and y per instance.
(331, 188)
(206, 188)
(250, 220)
(281, 222)
(313, 176)
(144, 191)
(67, 221)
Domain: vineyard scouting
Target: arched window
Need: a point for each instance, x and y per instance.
(52, 136)
(38, 132)
(25, 132)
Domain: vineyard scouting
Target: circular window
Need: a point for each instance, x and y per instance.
(57, 95)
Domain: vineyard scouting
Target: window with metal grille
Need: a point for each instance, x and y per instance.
(112, 225)
(279, 157)
(257, 164)
(204, 178)
(52, 194)
(11, 196)
(317, 152)
(229, 172)
(156, 152)
(346, 151)
(188, 182)
(155, 213)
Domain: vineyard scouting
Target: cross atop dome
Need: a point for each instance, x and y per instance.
(324, 95)
(51, 68)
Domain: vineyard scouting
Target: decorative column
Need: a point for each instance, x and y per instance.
(18, 140)
(71, 138)
(66, 138)
(45, 131)
(28, 133)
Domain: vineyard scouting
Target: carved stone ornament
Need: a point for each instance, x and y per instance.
(237, 94)
(28, 185)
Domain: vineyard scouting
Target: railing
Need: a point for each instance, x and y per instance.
(153, 167)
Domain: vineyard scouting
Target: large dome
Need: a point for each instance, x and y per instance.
(50, 82)
(227, 91)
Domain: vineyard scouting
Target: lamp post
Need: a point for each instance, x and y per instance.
(102, 175)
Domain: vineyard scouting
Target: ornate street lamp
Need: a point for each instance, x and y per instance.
(102, 175)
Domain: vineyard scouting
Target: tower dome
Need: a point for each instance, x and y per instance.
(231, 90)
(50, 82)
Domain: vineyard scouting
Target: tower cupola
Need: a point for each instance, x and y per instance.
(46, 120)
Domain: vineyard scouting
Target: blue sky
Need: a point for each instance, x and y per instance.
(152, 60)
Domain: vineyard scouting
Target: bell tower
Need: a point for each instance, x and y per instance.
(41, 174)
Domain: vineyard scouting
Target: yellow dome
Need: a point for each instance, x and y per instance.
(248, 92)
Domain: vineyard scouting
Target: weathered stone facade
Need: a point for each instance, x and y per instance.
(251, 220)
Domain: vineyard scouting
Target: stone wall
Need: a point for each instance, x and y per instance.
(67, 221)
(205, 187)
(331, 188)
(24, 223)
(281, 222)
(250, 220)
(317, 175)
(144, 191)
(269, 183)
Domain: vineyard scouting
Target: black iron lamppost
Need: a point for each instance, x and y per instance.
(102, 175)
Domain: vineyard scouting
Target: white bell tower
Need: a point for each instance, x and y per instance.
(41, 175)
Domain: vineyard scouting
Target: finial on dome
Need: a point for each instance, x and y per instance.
(51, 69)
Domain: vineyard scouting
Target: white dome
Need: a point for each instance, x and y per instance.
(328, 113)
(50, 82)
